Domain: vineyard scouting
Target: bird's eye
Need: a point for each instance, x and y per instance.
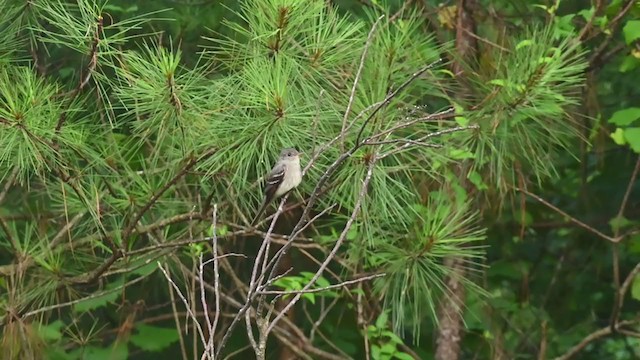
(290, 153)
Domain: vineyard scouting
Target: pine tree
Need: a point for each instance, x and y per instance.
(119, 149)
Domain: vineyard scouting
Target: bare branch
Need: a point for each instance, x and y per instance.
(602, 332)
(185, 302)
(343, 236)
(330, 287)
(77, 301)
(571, 218)
(357, 79)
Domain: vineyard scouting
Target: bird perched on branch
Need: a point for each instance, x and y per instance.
(284, 177)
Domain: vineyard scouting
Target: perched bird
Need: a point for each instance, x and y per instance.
(284, 177)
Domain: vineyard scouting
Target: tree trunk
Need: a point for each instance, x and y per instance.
(450, 310)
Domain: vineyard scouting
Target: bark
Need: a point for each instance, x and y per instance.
(450, 329)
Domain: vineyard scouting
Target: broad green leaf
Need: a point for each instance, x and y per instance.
(476, 179)
(631, 31)
(102, 300)
(375, 352)
(394, 338)
(146, 269)
(629, 63)
(625, 117)
(59, 353)
(618, 136)
(117, 352)
(322, 282)
(634, 244)
(461, 154)
(352, 233)
(632, 135)
(402, 356)
(587, 13)
(460, 120)
(381, 321)
(310, 296)
(388, 348)
(153, 338)
(50, 331)
(618, 223)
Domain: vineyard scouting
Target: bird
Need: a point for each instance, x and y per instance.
(285, 175)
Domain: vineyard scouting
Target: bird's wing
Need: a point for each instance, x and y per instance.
(273, 181)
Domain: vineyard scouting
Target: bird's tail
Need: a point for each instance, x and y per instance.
(259, 213)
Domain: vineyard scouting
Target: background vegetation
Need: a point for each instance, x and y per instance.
(471, 185)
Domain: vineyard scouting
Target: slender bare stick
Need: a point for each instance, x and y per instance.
(571, 218)
(216, 275)
(343, 236)
(330, 287)
(186, 303)
(352, 96)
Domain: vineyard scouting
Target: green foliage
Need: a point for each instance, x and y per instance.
(527, 122)
(122, 126)
(414, 264)
(153, 338)
(294, 283)
(385, 342)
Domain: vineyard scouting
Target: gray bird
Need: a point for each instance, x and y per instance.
(284, 177)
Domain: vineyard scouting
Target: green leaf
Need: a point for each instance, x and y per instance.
(625, 117)
(146, 269)
(634, 244)
(153, 338)
(352, 234)
(392, 336)
(322, 282)
(631, 31)
(310, 296)
(618, 136)
(618, 223)
(497, 82)
(58, 353)
(102, 300)
(635, 288)
(587, 14)
(461, 154)
(50, 331)
(402, 356)
(460, 120)
(375, 352)
(632, 135)
(388, 348)
(476, 179)
(381, 321)
(524, 43)
(117, 352)
(629, 63)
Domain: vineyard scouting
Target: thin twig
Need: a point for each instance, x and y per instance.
(330, 287)
(77, 301)
(391, 96)
(192, 162)
(184, 301)
(589, 25)
(338, 244)
(10, 180)
(602, 332)
(93, 62)
(571, 218)
(420, 141)
(352, 96)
